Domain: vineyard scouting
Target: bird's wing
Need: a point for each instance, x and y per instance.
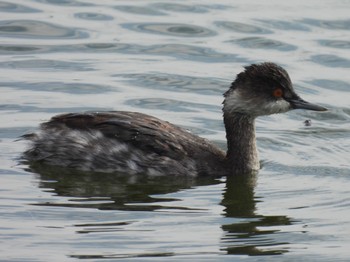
(145, 132)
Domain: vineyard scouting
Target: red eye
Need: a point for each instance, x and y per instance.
(278, 92)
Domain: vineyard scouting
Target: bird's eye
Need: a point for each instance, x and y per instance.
(278, 93)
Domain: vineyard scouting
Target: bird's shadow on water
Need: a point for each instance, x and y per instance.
(248, 234)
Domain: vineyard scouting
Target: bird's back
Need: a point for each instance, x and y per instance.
(123, 142)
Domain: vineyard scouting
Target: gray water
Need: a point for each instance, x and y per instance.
(173, 60)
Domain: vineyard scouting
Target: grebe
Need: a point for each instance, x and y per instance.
(134, 143)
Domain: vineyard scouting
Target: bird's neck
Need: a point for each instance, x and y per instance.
(242, 155)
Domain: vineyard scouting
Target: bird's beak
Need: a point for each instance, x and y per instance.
(298, 103)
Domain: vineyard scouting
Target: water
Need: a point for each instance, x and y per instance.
(173, 60)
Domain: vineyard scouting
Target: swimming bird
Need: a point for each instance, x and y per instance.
(136, 143)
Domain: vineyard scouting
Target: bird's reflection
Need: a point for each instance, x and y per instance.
(248, 234)
(112, 191)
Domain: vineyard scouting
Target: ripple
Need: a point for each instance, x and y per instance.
(210, 126)
(101, 227)
(180, 8)
(16, 8)
(93, 16)
(328, 24)
(263, 43)
(15, 49)
(45, 65)
(37, 29)
(331, 61)
(63, 2)
(140, 10)
(242, 28)
(70, 88)
(285, 25)
(112, 192)
(183, 30)
(321, 171)
(170, 105)
(21, 107)
(334, 85)
(178, 83)
(186, 52)
(193, 53)
(342, 44)
(102, 47)
(257, 236)
(218, 6)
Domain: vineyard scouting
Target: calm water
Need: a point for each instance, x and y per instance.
(174, 59)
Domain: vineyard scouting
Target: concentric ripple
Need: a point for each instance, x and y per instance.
(242, 28)
(263, 43)
(334, 85)
(167, 104)
(178, 83)
(45, 65)
(328, 24)
(331, 61)
(93, 16)
(181, 30)
(341, 44)
(37, 29)
(174, 7)
(16, 8)
(64, 2)
(285, 25)
(139, 10)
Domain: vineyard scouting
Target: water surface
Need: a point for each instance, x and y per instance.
(174, 61)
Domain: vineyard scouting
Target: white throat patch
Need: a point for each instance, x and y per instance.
(236, 102)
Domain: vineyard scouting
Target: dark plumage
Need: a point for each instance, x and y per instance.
(137, 143)
(151, 143)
